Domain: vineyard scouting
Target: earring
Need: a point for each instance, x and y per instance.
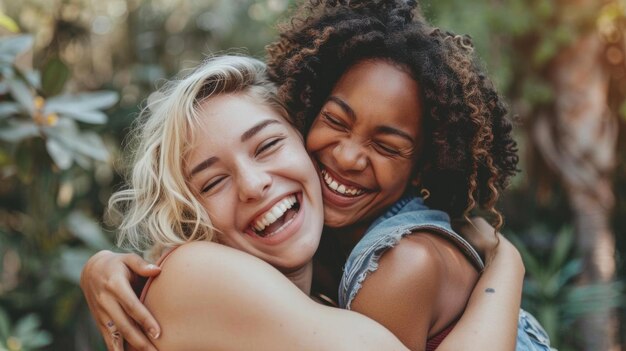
(425, 193)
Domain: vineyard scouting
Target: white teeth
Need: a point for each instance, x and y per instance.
(340, 188)
(271, 215)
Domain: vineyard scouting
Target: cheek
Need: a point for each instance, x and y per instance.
(394, 176)
(315, 138)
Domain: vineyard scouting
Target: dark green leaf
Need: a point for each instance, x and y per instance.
(55, 75)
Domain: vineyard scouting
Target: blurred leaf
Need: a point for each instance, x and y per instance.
(37, 340)
(9, 24)
(10, 47)
(72, 262)
(8, 109)
(26, 325)
(91, 144)
(22, 94)
(33, 78)
(5, 325)
(55, 75)
(93, 117)
(572, 269)
(73, 104)
(87, 230)
(16, 131)
(546, 51)
(562, 247)
(61, 155)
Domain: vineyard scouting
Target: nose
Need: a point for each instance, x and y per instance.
(350, 155)
(253, 183)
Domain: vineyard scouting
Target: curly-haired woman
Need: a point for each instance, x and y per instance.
(391, 105)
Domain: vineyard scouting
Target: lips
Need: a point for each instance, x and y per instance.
(340, 192)
(339, 187)
(275, 220)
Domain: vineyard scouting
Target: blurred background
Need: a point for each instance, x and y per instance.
(73, 73)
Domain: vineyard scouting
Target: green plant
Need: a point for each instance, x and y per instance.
(24, 335)
(550, 289)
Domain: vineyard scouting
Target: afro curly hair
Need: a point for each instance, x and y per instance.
(468, 154)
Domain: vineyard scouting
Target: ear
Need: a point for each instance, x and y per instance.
(416, 181)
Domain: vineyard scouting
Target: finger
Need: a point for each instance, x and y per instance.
(127, 330)
(125, 296)
(139, 266)
(108, 341)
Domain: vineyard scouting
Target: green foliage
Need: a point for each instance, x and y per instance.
(25, 335)
(550, 289)
(47, 146)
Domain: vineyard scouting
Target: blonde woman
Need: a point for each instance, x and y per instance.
(221, 186)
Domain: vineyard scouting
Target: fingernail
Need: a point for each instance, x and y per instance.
(152, 266)
(154, 333)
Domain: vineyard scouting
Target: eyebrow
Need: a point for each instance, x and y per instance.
(381, 129)
(394, 131)
(256, 128)
(344, 106)
(204, 165)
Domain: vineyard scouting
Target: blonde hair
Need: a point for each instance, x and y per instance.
(157, 209)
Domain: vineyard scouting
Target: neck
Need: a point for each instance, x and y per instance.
(302, 277)
(348, 236)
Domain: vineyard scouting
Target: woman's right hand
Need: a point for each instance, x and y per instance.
(106, 282)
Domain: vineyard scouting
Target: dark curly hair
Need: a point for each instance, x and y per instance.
(468, 154)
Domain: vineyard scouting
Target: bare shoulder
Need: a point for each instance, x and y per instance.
(207, 291)
(416, 257)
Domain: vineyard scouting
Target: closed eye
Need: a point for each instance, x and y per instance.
(386, 149)
(268, 146)
(334, 122)
(212, 184)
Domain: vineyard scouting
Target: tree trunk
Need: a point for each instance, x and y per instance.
(579, 143)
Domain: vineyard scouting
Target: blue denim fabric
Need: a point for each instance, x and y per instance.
(405, 217)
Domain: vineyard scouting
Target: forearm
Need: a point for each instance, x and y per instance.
(490, 318)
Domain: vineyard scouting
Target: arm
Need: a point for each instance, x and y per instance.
(106, 282)
(424, 283)
(490, 319)
(209, 296)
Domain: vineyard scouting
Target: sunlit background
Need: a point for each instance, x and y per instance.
(73, 73)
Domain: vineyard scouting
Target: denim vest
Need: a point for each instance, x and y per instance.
(404, 217)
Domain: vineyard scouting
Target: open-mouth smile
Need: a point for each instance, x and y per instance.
(340, 188)
(276, 218)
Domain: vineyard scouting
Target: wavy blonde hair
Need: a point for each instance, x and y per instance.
(157, 209)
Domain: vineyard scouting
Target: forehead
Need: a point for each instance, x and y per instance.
(229, 115)
(380, 91)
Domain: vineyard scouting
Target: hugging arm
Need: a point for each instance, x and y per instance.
(491, 316)
(209, 296)
(106, 281)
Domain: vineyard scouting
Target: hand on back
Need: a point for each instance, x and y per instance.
(106, 282)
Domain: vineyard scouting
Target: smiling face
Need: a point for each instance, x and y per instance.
(251, 172)
(365, 141)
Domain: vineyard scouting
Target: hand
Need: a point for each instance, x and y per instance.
(106, 282)
(481, 235)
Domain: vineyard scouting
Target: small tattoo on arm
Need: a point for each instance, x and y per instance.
(490, 290)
